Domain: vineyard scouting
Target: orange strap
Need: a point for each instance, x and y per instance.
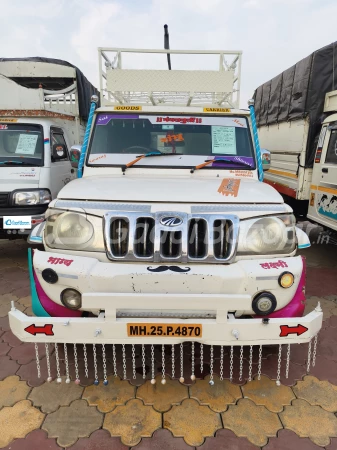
(135, 161)
(204, 164)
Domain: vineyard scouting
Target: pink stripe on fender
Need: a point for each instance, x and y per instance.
(52, 308)
(297, 305)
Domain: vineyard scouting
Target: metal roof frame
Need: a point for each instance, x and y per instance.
(120, 86)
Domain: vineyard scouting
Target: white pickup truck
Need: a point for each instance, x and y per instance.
(296, 113)
(43, 112)
(169, 235)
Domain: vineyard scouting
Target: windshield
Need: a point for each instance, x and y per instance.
(117, 139)
(21, 143)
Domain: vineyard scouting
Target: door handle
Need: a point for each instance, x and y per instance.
(325, 170)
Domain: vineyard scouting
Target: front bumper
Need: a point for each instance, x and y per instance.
(225, 329)
(212, 311)
(243, 279)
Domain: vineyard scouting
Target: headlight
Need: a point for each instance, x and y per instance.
(73, 231)
(71, 299)
(36, 197)
(267, 235)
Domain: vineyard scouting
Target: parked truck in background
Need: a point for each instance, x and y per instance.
(44, 107)
(296, 114)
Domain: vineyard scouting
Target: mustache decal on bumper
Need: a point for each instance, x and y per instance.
(165, 268)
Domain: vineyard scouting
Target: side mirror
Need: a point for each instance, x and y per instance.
(59, 152)
(75, 153)
(266, 159)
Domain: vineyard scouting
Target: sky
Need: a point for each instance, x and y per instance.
(273, 34)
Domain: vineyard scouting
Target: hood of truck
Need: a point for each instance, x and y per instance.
(187, 189)
(18, 177)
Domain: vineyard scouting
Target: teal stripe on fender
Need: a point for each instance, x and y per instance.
(37, 308)
(304, 246)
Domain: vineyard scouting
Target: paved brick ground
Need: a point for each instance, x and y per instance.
(300, 414)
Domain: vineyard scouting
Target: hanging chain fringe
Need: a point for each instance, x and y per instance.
(197, 361)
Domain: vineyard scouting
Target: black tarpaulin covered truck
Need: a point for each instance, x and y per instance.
(297, 121)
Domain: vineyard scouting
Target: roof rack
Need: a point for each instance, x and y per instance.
(120, 86)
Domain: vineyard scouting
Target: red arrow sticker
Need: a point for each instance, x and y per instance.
(286, 330)
(46, 329)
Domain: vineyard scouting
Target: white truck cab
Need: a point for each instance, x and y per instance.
(323, 189)
(40, 121)
(169, 235)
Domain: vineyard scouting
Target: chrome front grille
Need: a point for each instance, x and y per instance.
(119, 233)
(169, 236)
(144, 237)
(197, 238)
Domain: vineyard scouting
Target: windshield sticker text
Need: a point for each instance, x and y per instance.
(180, 119)
(274, 265)
(237, 121)
(66, 262)
(3, 127)
(96, 159)
(229, 186)
(104, 119)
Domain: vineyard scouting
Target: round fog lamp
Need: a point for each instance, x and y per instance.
(264, 304)
(71, 298)
(286, 279)
(50, 276)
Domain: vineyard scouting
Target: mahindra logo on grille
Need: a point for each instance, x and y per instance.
(172, 221)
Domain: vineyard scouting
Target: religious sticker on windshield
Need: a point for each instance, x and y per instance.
(223, 140)
(26, 144)
(172, 137)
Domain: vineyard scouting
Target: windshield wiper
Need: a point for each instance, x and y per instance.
(147, 155)
(224, 161)
(9, 163)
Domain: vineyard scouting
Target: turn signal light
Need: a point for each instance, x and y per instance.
(286, 280)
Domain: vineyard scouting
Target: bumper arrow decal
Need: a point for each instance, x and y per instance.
(286, 330)
(46, 329)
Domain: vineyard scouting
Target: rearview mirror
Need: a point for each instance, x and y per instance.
(266, 159)
(59, 152)
(75, 154)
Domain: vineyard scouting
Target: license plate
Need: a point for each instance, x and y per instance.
(164, 330)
